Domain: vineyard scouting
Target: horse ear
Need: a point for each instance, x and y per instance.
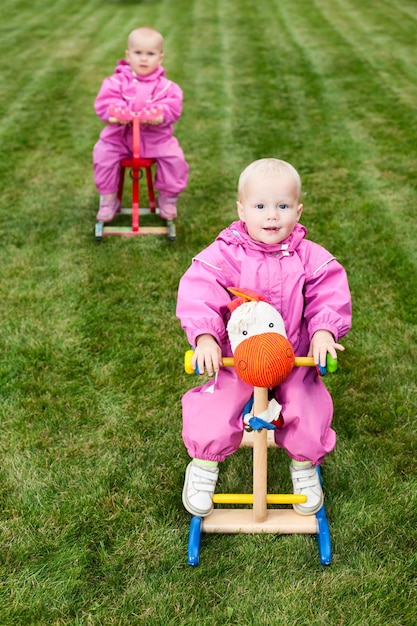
(246, 295)
(233, 304)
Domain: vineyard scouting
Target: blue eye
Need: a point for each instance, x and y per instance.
(260, 206)
(283, 206)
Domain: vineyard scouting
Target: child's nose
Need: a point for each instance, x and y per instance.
(272, 212)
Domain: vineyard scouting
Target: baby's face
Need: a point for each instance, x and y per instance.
(144, 54)
(270, 207)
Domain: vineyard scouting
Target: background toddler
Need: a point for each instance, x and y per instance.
(139, 82)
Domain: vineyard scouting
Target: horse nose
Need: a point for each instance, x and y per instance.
(264, 360)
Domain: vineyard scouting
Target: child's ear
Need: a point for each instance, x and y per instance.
(299, 211)
(240, 210)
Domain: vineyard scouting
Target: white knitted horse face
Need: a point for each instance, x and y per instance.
(253, 318)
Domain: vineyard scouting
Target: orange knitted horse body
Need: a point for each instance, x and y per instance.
(263, 356)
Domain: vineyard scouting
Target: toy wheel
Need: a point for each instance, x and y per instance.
(194, 540)
(99, 231)
(172, 235)
(323, 537)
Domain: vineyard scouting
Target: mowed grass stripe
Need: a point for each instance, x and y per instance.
(371, 127)
(50, 45)
(376, 36)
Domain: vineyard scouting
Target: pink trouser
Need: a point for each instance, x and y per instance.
(171, 170)
(213, 425)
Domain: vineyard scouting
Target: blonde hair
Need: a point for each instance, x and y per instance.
(267, 168)
(145, 31)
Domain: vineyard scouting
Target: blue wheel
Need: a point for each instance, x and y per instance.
(323, 535)
(194, 540)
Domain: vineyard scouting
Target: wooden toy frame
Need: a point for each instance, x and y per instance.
(260, 518)
(136, 165)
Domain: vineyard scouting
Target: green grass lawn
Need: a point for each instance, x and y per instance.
(92, 528)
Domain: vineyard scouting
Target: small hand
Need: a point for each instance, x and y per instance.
(156, 121)
(322, 343)
(153, 115)
(115, 120)
(207, 355)
(119, 114)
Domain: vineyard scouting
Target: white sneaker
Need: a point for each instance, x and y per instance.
(306, 481)
(199, 485)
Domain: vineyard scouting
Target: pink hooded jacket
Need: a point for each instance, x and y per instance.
(309, 288)
(128, 90)
(302, 280)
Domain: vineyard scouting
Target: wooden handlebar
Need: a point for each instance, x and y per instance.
(300, 361)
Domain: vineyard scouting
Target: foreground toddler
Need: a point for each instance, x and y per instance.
(266, 251)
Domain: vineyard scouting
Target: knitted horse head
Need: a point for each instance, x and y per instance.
(263, 356)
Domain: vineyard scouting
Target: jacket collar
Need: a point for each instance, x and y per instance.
(237, 233)
(123, 67)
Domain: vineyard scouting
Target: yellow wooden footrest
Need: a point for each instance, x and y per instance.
(247, 498)
(127, 231)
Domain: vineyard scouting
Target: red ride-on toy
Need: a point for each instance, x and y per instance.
(137, 166)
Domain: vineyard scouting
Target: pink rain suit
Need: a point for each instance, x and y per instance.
(128, 90)
(306, 284)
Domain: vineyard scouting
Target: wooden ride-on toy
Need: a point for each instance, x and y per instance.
(136, 165)
(260, 518)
